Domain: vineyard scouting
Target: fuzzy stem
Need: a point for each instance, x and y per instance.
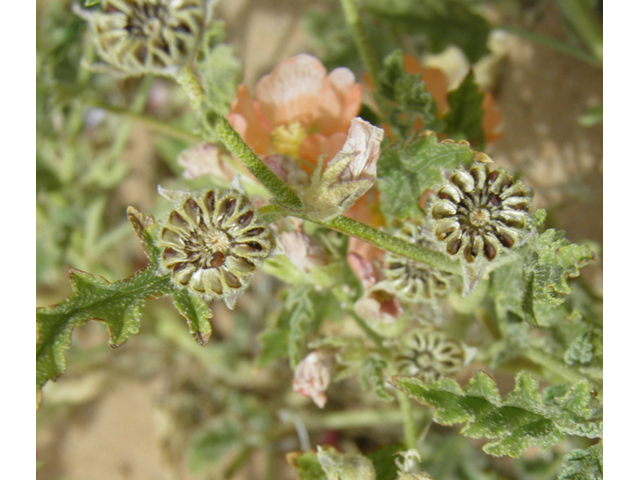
(393, 244)
(192, 86)
(410, 438)
(236, 145)
(547, 361)
(370, 333)
(579, 15)
(354, 20)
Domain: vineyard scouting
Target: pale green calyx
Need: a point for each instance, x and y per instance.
(347, 176)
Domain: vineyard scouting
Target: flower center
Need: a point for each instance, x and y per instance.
(479, 217)
(288, 138)
(216, 241)
(151, 27)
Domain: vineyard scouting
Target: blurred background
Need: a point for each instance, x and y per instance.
(144, 410)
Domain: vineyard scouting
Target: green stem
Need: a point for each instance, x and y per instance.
(409, 426)
(556, 45)
(146, 120)
(582, 19)
(236, 145)
(370, 333)
(547, 361)
(271, 213)
(393, 244)
(354, 20)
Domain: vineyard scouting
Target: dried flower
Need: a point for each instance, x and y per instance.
(137, 37)
(313, 375)
(214, 242)
(347, 176)
(377, 305)
(206, 159)
(409, 279)
(299, 111)
(304, 251)
(430, 355)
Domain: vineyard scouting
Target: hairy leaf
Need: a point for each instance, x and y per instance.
(345, 466)
(407, 169)
(442, 23)
(524, 418)
(407, 97)
(371, 375)
(307, 465)
(209, 447)
(464, 118)
(196, 311)
(583, 464)
(220, 70)
(94, 298)
(301, 310)
(551, 261)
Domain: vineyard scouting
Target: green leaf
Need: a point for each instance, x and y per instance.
(94, 298)
(551, 261)
(407, 169)
(464, 118)
(442, 23)
(220, 70)
(583, 464)
(524, 418)
(301, 314)
(196, 311)
(372, 375)
(345, 466)
(581, 349)
(384, 461)
(209, 447)
(409, 99)
(308, 466)
(91, 3)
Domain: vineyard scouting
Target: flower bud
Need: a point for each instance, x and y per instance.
(347, 176)
(313, 375)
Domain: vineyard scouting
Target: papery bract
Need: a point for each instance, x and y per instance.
(347, 176)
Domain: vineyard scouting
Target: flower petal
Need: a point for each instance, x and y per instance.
(292, 91)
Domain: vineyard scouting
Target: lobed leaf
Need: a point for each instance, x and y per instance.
(464, 118)
(371, 375)
(583, 464)
(524, 418)
(442, 23)
(301, 313)
(94, 298)
(196, 311)
(407, 169)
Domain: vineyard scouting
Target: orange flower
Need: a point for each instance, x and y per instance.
(299, 110)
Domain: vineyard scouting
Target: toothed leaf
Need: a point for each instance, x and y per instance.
(94, 298)
(407, 169)
(583, 464)
(524, 418)
(196, 311)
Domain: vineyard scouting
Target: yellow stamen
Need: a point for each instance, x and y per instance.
(288, 138)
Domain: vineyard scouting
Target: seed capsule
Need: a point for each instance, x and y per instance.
(137, 37)
(214, 242)
(479, 213)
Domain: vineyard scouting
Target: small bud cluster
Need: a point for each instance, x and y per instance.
(409, 279)
(214, 242)
(430, 355)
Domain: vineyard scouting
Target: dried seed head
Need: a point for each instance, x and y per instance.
(214, 242)
(409, 279)
(480, 213)
(430, 355)
(147, 36)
